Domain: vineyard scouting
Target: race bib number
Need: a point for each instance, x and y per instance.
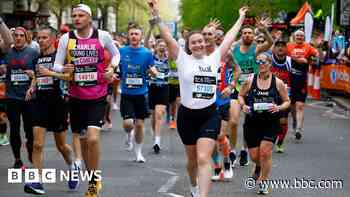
(86, 76)
(243, 77)
(262, 106)
(204, 87)
(18, 77)
(134, 81)
(44, 83)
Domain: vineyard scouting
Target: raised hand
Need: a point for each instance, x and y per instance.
(263, 23)
(214, 22)
(243, 10)
(153, 5)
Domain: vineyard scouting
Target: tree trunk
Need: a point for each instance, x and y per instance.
(104, 11)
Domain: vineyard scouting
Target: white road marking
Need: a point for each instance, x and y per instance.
(173, 195)
(165, 171)
(169, 184)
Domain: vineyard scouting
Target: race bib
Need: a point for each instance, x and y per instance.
(44, 83)
(134, 81)
(204, 87)
(244, 77)
(262, 106)
(18, 77)
(85, 76)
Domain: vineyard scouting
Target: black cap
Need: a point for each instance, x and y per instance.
(280, 42)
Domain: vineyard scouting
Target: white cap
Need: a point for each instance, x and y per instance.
(84, 8)
(299, 31)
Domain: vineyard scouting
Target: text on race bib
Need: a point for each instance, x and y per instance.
(204, 87)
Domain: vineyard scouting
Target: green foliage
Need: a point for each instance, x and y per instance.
(197, 13)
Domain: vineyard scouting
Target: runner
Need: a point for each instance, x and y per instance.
(198, 121)
(244, 54)
(158, 89)
(225, 87)
(174, 94)
(259, 97)
(300, 52)
(83, 50)
(5, 42)
(136, 62)
(281, 67)
(48, 109)
(223, 144)
(20, 62)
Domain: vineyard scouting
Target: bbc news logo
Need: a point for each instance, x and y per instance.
(51, 175)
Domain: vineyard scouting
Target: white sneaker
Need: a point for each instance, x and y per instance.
(228, 172)
(115, 107)
(194, 191)
(140, 158)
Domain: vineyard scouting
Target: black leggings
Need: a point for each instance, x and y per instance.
(16, 108)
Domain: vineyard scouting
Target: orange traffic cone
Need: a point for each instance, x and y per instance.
(316, 86)
(310, 82)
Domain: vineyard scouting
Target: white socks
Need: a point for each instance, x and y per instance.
(157, 140)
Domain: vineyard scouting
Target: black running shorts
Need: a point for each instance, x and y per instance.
(158, 95)
(174, 92)
(50, 112)
(134, 106)
(87, 113)
(224, 112)
(194, 124)
(256, 131)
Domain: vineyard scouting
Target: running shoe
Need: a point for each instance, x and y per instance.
(218, 175)
(107, 127)
(92, 191)
(172, 124)
(233, 158)
(279, 148)
(18, 164)
(115, 107)
(263, 188)
(140, 158)
(73, 184)
(195, 192)
(156, 148)
(4, 140)
(228, 171)
(34, 188)
(98, 186)
(243, 160)
(298, 134)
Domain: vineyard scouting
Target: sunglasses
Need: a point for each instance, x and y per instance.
(209, 34)
(260, 62)
(260, 41)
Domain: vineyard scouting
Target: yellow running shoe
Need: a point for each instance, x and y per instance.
(92, 190)
(99, 186)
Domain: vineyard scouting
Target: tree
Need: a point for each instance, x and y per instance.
(197, 13)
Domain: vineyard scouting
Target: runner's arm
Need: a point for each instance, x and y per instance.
(61, 53)
(113, 50)
(262, 26)
(244, 91)
(6, 35)
(165, 32)
(232, 33)
(283, 92)
(148, 36)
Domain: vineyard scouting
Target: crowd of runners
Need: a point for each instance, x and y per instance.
(201, 83)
